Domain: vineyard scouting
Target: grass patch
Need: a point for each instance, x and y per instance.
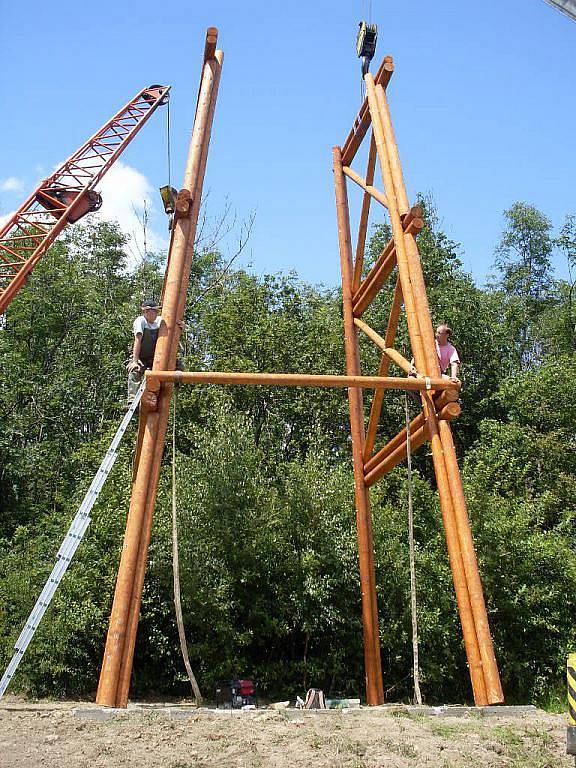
(409, 715)
(506, 735)
(450, 730)
(527, 747)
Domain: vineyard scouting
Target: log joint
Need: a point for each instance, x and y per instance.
(183, 205)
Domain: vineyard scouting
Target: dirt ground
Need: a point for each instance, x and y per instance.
(364, 738)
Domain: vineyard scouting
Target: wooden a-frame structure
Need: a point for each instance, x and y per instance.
(439, 395)
(400, 259)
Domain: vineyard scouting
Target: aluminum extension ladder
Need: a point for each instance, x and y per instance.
(69, 546)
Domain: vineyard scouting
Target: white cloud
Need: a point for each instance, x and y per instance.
(11, 184)
(5, 217)
(125, 191)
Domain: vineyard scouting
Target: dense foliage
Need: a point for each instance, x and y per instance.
(267, 531)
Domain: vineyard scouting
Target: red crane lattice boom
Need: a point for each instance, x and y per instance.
(69, 193)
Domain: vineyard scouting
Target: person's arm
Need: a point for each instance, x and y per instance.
(135, 361)
(136, 348)
(454, 365)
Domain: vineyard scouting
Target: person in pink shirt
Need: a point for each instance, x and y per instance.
(447, 354)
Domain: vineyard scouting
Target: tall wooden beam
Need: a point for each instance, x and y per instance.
(422, 363)
(477, 638)
(118, 656)
(419, 352)
(362, 120)
(373, 666)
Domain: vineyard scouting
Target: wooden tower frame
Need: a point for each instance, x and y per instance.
(400, 256)
(438, 394)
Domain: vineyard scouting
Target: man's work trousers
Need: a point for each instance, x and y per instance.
(135, 379)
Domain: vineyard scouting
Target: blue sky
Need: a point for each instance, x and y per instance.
(482, 101)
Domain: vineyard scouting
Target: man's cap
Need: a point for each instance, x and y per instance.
(150, 304)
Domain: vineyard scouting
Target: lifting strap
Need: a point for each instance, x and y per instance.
(176, 565)
(413, 610)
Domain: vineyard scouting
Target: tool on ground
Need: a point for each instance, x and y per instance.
(69, 546)
(236, 693)
(366, 44)
(315, 699)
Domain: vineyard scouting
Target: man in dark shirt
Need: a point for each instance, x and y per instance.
(145, 328)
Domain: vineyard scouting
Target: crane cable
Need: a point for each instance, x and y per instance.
(413, 609)
(168, 151)
(176, 564)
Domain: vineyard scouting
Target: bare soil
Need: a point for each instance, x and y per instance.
(52, 735)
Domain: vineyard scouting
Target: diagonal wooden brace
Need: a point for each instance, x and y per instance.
(421, 434)
(385, 263)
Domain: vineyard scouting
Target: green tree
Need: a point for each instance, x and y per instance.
(267, 530)
(523, 261)
(563, 331)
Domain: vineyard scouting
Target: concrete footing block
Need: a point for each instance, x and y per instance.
(183, 712)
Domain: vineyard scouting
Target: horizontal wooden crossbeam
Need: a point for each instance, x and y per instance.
(303, 380)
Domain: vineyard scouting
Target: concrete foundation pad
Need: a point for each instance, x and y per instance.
(183, 711)
(180, 712)
(100, 713)
(460, 710)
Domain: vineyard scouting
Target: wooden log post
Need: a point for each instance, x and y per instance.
(373, 665)
(362, 121)
(447, 472)
(494, 692)
(117, 664)
(489, 663)
(165, 395)
(423, 363)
